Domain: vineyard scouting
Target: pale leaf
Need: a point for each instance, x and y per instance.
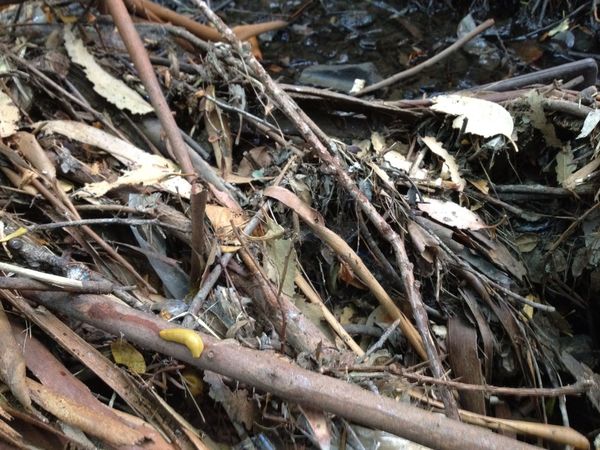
(564, 165)
(436, 147)
(148, 175)
(221, 219)
(451, 214)
(109, 87)
(581, 175)
(9, 116)
(126, 354)
(378, 142)
(485, 118)
(590, 122)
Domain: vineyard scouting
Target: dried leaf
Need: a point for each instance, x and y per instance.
(527, 242)
(464, 360)
(398, 161)
(109, 87)
(346, 274)
(451, 214)
(317, 424)
(485, 118)
(221, 218)
(581, 175)
(426, 246)
(256, 158)
(481, 185)
(378, 142)
(590, 122)
(436, 147)
(147, 169)
(280, 260)
(496, 252)
(33, 152)
(9, 116)
(564, 165)
(538, 119)
(126, 354)
(236, 404)
(149, 175)
(126, 153)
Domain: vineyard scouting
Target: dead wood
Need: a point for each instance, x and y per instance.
(274, 374)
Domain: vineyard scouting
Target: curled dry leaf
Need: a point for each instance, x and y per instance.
(109, 87)
(436, 147)
(33, 152)
(9, 115)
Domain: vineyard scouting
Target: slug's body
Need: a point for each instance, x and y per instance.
(189, 338)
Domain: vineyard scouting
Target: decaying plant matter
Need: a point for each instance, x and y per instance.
(255, 270)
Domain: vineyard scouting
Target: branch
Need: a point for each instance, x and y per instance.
(270, 372)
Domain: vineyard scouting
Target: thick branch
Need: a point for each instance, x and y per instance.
(271, 373)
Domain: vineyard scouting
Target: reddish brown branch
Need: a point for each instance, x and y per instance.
(271, 373)
(142, 63)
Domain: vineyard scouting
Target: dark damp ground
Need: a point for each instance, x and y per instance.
(395, 35)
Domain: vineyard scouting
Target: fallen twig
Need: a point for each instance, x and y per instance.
(26, 284)
(577, 388)
(140, 58)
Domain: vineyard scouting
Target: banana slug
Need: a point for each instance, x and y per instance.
(189, 338)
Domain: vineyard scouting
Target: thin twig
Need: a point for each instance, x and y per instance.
(381, 341)
(27, 284)
(572, 389)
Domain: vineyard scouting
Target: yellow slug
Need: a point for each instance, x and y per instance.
(189, 338)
